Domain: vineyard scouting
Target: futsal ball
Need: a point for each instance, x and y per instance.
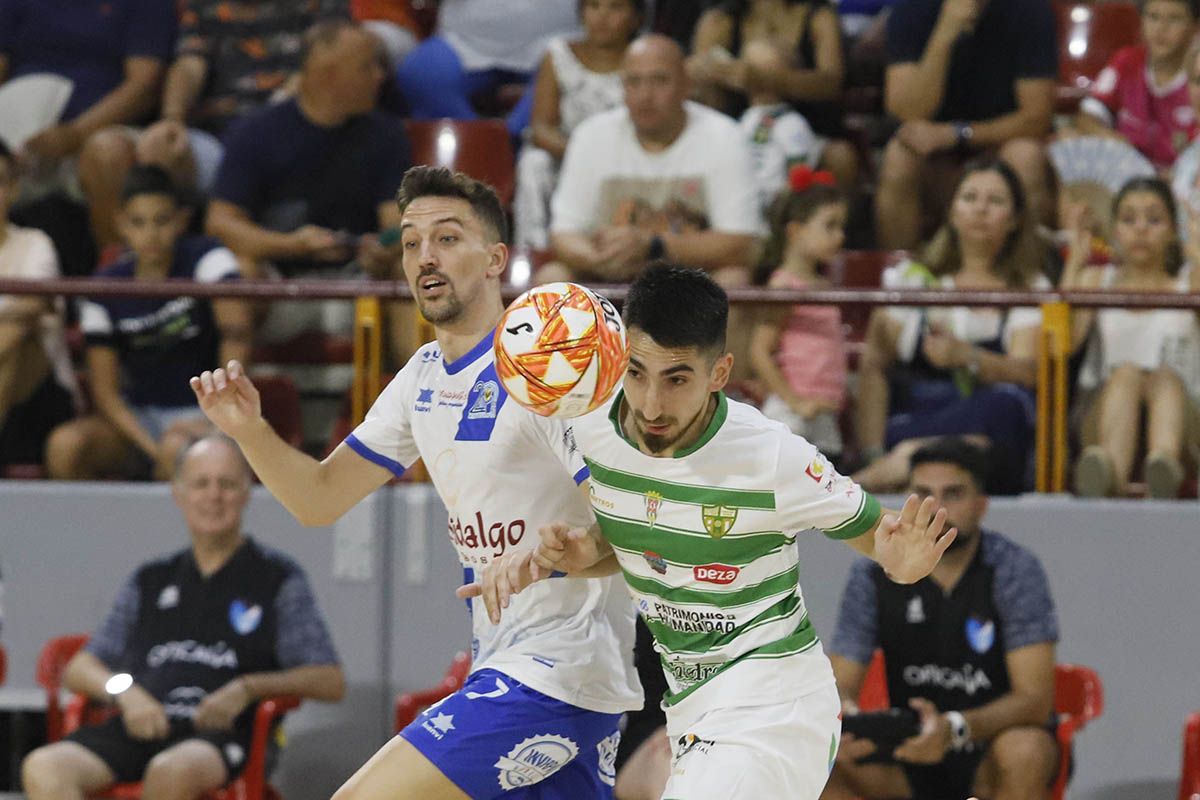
(560, 350)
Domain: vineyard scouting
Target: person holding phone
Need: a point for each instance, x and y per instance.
(970, 649)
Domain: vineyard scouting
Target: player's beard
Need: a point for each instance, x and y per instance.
(446, 308)
(962, 538)
(656, 443)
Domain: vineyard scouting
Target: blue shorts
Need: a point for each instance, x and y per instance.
(496, 737)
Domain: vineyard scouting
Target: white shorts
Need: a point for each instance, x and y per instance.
(759, 752)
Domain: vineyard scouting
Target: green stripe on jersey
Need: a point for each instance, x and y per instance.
(803, 638)
(864, 520)
(686, 547)
(704, 641)
(776, 584)
(682, 492)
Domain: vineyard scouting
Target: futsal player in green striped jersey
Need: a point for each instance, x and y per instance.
(702, 500)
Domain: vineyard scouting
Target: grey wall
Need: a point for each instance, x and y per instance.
(1124, 575)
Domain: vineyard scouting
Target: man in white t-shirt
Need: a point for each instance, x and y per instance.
(551, 681)
(702, 501)
(659, 177)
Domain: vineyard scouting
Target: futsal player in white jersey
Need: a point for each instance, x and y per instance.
(701, 500)
(538, 716)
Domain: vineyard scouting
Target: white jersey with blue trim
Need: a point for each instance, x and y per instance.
(503, 472)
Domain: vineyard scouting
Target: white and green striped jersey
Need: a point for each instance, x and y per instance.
(707, 544)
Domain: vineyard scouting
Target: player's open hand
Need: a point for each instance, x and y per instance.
(228, 398)
(507, 575)
(908, 547)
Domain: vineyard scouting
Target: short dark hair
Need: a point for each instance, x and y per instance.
(324, 33)
(1161, 189)
(955, 450)
(148, 179)
(425, 181)
(678, 307)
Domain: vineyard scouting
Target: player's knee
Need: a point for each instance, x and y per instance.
(45, 774)
(108, 151)
(175, 775)
(64, 449)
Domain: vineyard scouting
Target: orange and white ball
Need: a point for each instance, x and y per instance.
(561, 350)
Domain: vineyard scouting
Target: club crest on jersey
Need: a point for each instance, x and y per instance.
(656, 562)
(653, 504)
(424, 401)
(244, 618)
(981, 634)
(484, 406)
(816, 469)
(718, 520)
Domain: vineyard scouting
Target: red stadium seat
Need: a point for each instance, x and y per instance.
(410, 704)
(1189, 780)
(3, 663)
(1078, 699)
(479, 147)
(281, 406)
(1088, 37)
(251, 785)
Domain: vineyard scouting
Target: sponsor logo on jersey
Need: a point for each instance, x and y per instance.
(168, 597)
(686, 620)
(656, 562)
(424, 401)
(969, 679)
(720, 574)
(688, 674)
(981, 634)
(244, 619)
(474, 533)
(691, 743)
(189, 651)
(448, 399)
(439, 725)
(916, 610)
(816, 469)
(653, 504)
(718, 520)
(486, 395)
(568, 440)
(535, 759)
(606, 755)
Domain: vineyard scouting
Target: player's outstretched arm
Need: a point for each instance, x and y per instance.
(315, 492)
(909, 543)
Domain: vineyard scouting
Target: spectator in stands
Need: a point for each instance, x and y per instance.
(957, 370)
(577, 78)
(137, 348)
(1137, 360)
(964, 76)
(226, 65)
(791, 50)
(113, 53)
(1142, 95)
(660, 177)
(194, 640)
(307, 184)
(800, 352)
(971, 649)
(480, 45)
(779, 137)
(1185, 172)
(37, 383)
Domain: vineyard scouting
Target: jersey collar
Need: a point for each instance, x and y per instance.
(714, 425)
(468, 358)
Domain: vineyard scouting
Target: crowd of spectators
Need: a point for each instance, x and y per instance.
(712, 134)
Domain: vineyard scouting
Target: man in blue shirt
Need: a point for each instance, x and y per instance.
(971, 649)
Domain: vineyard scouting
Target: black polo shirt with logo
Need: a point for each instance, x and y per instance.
(183, 635)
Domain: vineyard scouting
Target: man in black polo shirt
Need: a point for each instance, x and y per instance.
(193, 641)
(963, 76)
(971, 648)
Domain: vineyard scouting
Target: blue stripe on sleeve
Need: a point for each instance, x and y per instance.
(582, 475)
(357, 446)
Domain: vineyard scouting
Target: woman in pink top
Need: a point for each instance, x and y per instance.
(800, 352)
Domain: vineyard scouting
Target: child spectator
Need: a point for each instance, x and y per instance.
(36, 379)
(957, 371)
(577, 78)
(1138, 360)
(1142, 95)
(800, 352)
(779, 136)
(155, 344)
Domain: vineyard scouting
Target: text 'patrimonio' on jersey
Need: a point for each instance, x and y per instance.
(707, 543)
(502, 473)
